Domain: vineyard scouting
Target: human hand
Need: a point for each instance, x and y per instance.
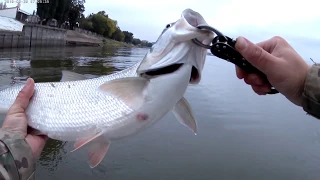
(16, 119)
(283, 66)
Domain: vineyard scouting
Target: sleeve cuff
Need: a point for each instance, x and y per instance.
(311, 93)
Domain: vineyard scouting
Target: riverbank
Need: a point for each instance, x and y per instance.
(75, 38)
(37, 35)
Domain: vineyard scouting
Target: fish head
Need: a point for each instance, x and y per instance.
(174, 47)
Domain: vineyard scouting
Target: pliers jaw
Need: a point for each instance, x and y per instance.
(223, 47)
(209, 28)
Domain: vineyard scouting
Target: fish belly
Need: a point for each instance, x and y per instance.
(162, 94)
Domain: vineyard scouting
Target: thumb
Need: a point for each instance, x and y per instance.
(23, 98)
(16, 120)
(255, 55)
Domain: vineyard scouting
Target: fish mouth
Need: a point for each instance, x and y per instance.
(194, 78)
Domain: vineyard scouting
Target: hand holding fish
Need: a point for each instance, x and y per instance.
(94, 112)
(283, 66)
(16, 120)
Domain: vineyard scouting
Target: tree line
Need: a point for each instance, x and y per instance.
(100, 23)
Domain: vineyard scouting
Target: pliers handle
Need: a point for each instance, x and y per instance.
(223, 47)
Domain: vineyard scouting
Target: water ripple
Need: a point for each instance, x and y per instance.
(240, 135)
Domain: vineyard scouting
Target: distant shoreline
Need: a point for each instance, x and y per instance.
(33, 35)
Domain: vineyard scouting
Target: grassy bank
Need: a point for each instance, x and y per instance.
(113, 43)
(75, 38)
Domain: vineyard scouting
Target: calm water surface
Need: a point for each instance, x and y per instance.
(241, 135)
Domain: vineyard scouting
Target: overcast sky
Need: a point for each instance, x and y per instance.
(256, 19)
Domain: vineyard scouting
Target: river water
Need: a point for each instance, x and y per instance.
(240, 135)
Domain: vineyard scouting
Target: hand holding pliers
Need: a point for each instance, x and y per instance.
(223, 47)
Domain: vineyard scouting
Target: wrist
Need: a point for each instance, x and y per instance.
(304, 87)
(7, 166)
(310, 98)
(17, 155)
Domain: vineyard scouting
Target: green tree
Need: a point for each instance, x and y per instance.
(99, 23)
(86, 23)
(47, 10)
(136, 41)
(118, 35)
(58, 9)
(76, 11)
(111, 28)
(103, 13)
(62, 11)
(128, 36)
(102, 24)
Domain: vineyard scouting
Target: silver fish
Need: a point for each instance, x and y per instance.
(100, 110)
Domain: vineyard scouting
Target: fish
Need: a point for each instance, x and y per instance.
(94, 112)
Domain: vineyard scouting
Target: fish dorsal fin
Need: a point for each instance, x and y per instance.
(183, 112)
(71, 76)
(130, 90)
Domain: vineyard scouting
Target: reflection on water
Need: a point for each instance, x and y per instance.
(46, 65)
(52, 155)
(240, 135)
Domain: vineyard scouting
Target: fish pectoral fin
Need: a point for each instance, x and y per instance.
(83, 142)
(71, 76)
(129, 90)
(97, 151)
(98, 148)
(183, 112)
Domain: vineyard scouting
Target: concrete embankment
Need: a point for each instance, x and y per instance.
(45, 36)
(32, 36)
(82, 39)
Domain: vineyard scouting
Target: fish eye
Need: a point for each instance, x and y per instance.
(168, 25)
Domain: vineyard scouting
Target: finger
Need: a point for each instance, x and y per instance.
(240, 72)
(16, 120)
(254, 79)
(25, 94)
(36, 143)
(255, 55)
(271, 43)
(268, 45)
(23, 98)
(261, 90)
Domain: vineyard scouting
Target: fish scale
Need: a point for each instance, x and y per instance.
(66, 108)
(81, 117)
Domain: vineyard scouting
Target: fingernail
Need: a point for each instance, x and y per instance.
(241, 44)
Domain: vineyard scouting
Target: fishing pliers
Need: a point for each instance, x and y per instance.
(223, 47)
